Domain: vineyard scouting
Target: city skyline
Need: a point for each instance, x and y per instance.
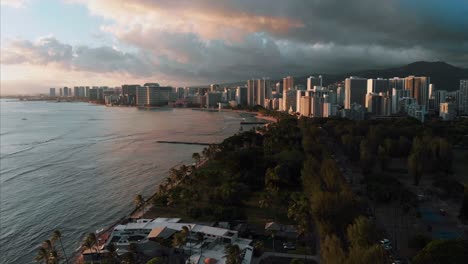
(186, 43)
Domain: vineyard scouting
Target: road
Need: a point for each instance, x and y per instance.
(285, 255)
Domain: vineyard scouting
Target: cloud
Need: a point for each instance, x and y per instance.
(14, 3)
(48, 51)
(198, 42)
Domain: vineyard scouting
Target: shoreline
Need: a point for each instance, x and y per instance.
(139, 212)
(136, 213)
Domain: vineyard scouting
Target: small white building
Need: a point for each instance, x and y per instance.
(145, 234)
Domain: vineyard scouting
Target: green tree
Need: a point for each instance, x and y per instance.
(415, 167)
(156, 260)
(233, 254)
(139, 201)
(464, 208)
(196, 156)
(383, 156)
(366, 255)
(332, 251)
(57, 236)
(443, 251)
(366, 157)
(361, 233)
(299, 211)
(42, 255)
(88, 244)
(297, 261)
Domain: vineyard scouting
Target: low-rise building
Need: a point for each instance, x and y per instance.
(148, 235)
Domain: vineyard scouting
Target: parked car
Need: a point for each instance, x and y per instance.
(289, 246)
(385, 241)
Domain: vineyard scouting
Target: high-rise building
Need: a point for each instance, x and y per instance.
(241, 95)
(279, 88)
(464, 97)
(289, 101)
(374, 103)
(378, 85)
(214, 87)
(378, 104)
(397, 83)
(129, 92)
(299, 95)
(252, 87)
(419, 88)
(66, 92)
(288, 84)
(397, 94)
(52, 92)
(439, 97)
(304, 109)
(355, 91)
(447, 111)
(93, 94)
(313, 81)
(455, 98)
(154, 95)
(60, 92)
(213, 98)
(340, 95)
(262, 91)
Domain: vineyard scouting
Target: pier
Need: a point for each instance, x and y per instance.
(185, 143)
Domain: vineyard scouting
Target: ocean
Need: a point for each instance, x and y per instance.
(77, 167)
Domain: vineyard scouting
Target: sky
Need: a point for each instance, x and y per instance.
(56, 43)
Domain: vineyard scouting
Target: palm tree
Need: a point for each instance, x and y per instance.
(54, 257)
(196, 157)
(233, 254)
(162, 188)
(58, 236)
(42, 256)
(94, 241)
(139, 201)
(88, 244)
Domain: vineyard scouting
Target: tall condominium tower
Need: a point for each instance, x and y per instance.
(397, 83)
(355, 91)
(262, 91)
(252, 87)
(288, 84)
(464, 96)
(419, 88)
(314, 81)
(378, 85)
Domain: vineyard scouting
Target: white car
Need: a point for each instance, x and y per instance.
(385, 241)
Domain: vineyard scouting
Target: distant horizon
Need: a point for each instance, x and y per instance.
(46, 88)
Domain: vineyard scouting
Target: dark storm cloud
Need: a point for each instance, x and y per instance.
(223, 40)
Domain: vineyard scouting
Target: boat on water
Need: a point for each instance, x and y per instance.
(99, 230)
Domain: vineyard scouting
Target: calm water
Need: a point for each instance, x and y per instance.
(77, 167)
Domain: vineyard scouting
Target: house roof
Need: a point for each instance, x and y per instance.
(272, 226)
(161, 232)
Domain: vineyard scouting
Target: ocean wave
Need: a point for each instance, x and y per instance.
(16, 152)
(26, 172)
